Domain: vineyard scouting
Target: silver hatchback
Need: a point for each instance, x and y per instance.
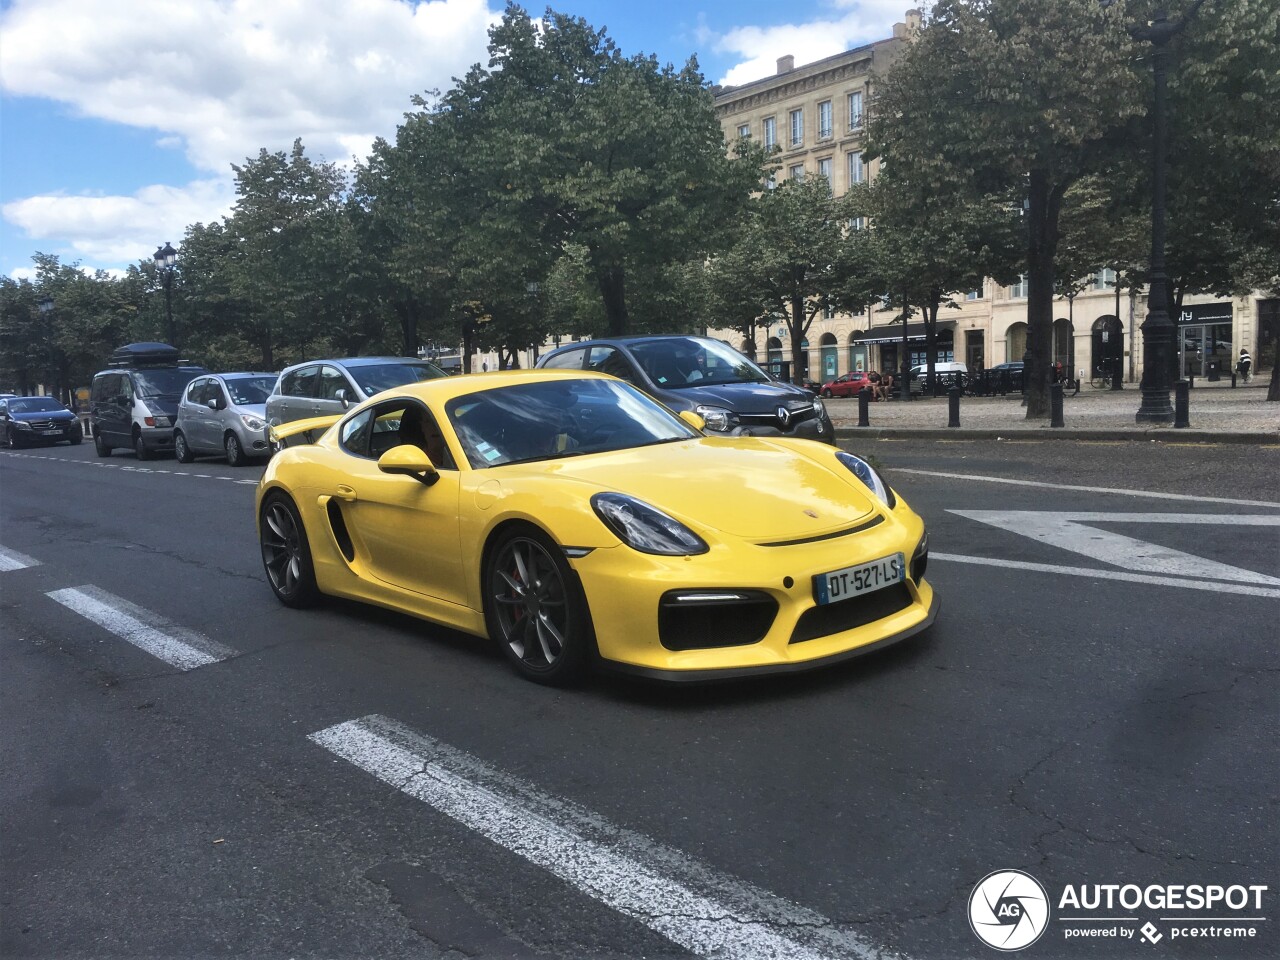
(224, 415)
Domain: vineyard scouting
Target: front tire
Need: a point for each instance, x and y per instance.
(140, 447)
(181, 452)
(826, 394)
(100, 445)
(535, 610)
(286, 553)
(235, 452)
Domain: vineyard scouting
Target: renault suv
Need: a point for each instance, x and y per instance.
(707, 377)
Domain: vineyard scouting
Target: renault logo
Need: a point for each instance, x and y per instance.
(784, 416)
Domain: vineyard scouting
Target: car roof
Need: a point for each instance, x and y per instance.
(245, 373)
(442, 390)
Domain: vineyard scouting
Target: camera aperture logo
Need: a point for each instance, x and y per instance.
(1009, 910)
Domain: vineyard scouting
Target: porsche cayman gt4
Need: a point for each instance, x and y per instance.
(574, 520)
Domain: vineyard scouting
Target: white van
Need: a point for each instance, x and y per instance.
(945, 372)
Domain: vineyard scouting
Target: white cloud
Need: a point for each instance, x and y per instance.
(232, 76)
(119, 229)
(220, 80)
(852, 23)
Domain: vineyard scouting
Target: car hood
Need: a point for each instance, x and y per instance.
(258, 410)
(752, 488)
(739, 397)
(58, 415)
(164, 406)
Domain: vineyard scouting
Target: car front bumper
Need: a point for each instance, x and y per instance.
(625, 591)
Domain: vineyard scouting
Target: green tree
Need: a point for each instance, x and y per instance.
(566, 141)
(1015, 98)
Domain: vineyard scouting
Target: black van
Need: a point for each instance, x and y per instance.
(134, 402)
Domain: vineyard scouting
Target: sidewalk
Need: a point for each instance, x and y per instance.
(1218, 414)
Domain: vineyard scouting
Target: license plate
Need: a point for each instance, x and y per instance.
(860, 578)
(51, 433)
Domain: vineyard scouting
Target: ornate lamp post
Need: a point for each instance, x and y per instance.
(165, 258)
(1158, 330)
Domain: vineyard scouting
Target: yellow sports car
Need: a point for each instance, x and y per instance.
(575, 520)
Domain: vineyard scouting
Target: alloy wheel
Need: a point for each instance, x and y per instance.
(530, 603)
(282, 548)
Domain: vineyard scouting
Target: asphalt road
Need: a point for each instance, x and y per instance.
(1058, 719)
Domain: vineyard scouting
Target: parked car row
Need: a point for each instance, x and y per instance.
(25, 421)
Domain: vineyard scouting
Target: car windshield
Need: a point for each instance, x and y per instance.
(250, 390)
(675, 362)
(376, 377)
(164, 381)
(34, 405)
(549, 419)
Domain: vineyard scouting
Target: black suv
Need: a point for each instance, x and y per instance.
(709, 378)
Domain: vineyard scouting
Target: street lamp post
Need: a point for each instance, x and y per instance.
(1158, 333)
(165, 258)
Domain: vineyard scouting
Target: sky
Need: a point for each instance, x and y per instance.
(120, 119)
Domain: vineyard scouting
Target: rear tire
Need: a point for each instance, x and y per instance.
(535, 609)
(181, 452)
(826, 394)
(286, 553)
(100, 445)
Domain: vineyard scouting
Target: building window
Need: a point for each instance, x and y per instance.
(770, 133)
(797, 127)
(855, 110)
(828, 312)
(797, 172)
(824, 120)
(771, 183)
(744, 131)
(858, 223)
(824, 168)
(1019, 289)
(856, 171)
(974, 294)
(1104, 279)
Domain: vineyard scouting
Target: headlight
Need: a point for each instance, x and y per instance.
(646, 528)
(862, 470)
(252, 422)
(22, 424)
(718, 418)
(819, 409)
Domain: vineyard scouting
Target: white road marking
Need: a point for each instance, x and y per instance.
(710, 914)
(1067, 486)
(1213, 586)
(1067, 530)
(13, 560)
(175, 645)
(130, 468)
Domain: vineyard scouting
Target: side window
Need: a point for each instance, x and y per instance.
(331, 381)
(213, 391)
(302, 382)
(569, 360)
(195, 392)
(373, 432)
(610, 360)
(126, 387)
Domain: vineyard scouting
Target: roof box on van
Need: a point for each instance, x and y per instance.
(144, 355)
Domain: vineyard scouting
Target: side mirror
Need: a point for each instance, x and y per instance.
(411, 461)
(341, 397)
(693, 420)
(213, 404)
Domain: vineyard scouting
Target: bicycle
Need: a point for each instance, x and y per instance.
(1101, 376)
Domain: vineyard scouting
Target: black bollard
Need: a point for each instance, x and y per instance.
(1191, 382)
(1181, 404)
(953, 407)
(864, 401)
(1117, 378)
(1055, 406)
(1233, 379)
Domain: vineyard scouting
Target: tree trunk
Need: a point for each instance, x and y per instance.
(931, 341)
(1273, 391)
(468, 335)
(407, 311)
(1044, 203)
(268, 352)
(797, 326)
(612, 282)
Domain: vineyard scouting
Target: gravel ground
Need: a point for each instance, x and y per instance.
(1213, 408)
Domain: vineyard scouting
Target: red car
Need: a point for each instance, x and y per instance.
(846, 386)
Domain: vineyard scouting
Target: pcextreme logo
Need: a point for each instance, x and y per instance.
(1009, 910)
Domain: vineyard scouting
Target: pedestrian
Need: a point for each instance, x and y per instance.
(874, 378)
(1244, 364)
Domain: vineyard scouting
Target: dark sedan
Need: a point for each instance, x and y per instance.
(707, 377)
(29, 420)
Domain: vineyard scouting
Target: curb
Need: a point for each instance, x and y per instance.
(1151, 434)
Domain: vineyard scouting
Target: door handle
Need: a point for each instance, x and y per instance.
(346, 493)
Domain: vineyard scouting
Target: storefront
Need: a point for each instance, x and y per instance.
(1205, 344)
(888, 338)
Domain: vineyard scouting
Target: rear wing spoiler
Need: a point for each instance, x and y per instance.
(313, 427)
